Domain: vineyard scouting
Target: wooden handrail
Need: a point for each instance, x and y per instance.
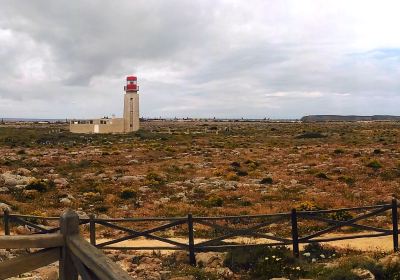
(26, 263)
(31, 241)
(103, 267)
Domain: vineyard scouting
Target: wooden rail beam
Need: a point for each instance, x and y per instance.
(26, 263)
(31, 241)
(103, 267)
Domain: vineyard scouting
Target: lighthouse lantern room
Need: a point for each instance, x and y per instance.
(131, 84)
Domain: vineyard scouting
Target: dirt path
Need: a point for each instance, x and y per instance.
(384, 243)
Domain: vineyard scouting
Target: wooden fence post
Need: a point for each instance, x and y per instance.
(395, 225)
(92, 229)
(295, 233)
(69, 225)
(6, 219)
(192, 256)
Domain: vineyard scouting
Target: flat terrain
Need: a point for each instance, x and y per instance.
(207, 168)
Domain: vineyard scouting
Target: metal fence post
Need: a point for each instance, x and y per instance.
(6, 220)
(69, 225)
(192, 256)
(295, 233)
(92, 229)
(395, 225)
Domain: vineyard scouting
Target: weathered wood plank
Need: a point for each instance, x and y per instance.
(103, 267)
(136, 233)
(69, 223)
(31, 241)
(26, 263)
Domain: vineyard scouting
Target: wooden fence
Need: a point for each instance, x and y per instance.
(228, 229)
(76, 256)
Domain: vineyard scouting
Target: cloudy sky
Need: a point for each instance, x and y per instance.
(255, 59)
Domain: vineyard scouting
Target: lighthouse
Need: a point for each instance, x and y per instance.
(129, 122)
(131, 105)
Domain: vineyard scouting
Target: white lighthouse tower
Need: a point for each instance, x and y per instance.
(131, 105)
(129, 123)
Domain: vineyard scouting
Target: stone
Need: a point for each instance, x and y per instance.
(50, 274)
(4, 207)
(23, 230)
(23, 171)
(127, 179)
(61, 182)
(189, 277)
(65, 201)
(181, 257)
(4, 190)
(209, 259)
(144, 189)
(12, 180)
(391, 261)
(363, 274)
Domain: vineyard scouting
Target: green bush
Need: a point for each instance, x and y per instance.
(266, 181)
(38, 185)
(374, 164)
(350, 181)
(264, 262)
(215, 201)
(321, 175)
(153, 179)
(341, 216)
(127, 194)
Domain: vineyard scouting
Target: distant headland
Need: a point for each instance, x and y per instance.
(349, 118)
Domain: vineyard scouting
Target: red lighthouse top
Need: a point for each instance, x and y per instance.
(131, 84)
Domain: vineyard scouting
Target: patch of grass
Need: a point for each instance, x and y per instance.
(374, 164)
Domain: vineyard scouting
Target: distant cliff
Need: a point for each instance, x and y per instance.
(351, 118)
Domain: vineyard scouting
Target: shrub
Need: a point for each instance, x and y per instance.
(318, 252)
(38, 185)
(153, 179)
(215, 201)
(21, 152)
(338, 151)
(374, 164)
(264, 263)
(341, 216)
(308, 206)
(242, 173)
(127, 193)
(232, 176)
(321, 175)
(266, 181)
(350, 181)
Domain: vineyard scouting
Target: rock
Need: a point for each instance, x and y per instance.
(133, 161)
(4, 207)
(65, 201)
(50, 274)
(127, 179)
(12, 180)
(209, 259)
(164, 200)
(222, 272)
(4, 190)
(391, 261)
(61, 182)
(363, 274)
(22, 230)
(30, 194)
(181, 257)
(144, 189)
(23, 171)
